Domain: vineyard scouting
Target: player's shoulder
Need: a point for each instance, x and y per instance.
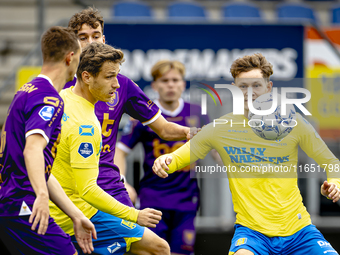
(38, 87)
(123, 80)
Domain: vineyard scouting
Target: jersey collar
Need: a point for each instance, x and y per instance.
(47, 78)
(171, 113)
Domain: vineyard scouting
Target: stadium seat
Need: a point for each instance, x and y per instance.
(186, 10)
(239, 11)
(295, 12)
(131, 10)
(336, 14)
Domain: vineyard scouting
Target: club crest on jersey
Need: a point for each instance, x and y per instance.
(114, 100)
(46, 113)
(127, 224)
(241, 241)
(189, 237)
(85, 150)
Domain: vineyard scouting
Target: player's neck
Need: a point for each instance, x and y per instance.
(56, 74)
(246, 112)
(170, 106)
(81, 89)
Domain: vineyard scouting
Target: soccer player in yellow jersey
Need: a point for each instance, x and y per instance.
(76, 165)
(270, 215)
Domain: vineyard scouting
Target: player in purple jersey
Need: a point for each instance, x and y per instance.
(178, 198)
(29, 140)
(129, 98)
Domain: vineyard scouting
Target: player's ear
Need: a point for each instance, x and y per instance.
(86, 77)
(269, 86)
(104, 39)
(184, 84)
(69, 58)
(154, 86)
(233, 83)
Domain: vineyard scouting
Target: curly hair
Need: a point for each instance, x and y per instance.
(248, 63)
(95, 55)
(90, 16)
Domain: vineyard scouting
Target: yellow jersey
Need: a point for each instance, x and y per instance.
(76, 165)
(262, 174)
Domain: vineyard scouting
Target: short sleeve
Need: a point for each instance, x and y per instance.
(84, 149)
(43, 115)
(139, 106)
(131, 135)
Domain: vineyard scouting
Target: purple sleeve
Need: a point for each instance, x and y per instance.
(132, 133)
(43, 114)
(139, 106)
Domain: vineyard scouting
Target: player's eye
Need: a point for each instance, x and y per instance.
(82, 38)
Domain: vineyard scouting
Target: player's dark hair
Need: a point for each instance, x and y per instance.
(56, 42)
(248, 63)
(95, 55)
(90, 16)
(164, 66)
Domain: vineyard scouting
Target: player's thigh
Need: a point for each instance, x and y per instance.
(183, 233)
(18, 237)
(114, 235)
(308, 240)
(150, 244)
(247, 241)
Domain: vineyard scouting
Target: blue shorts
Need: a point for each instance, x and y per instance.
(308, 240)
(177, 228)
(114, 235)
(17, 236)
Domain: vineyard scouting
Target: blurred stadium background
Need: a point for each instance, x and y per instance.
(300, 38)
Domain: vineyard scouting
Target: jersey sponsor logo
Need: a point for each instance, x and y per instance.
(128, 224)
(253, 155)
(65, 117)
(324, 244)
(28, 87)
(24, 210)
(241, 241)
(189, 237)
(114, 247)
(86, 130)
(114, 100)
(46, 113)
(85, 150)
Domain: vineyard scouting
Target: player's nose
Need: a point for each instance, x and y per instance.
(115, 84)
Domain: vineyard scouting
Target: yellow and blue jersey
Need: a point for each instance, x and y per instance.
(268, 200)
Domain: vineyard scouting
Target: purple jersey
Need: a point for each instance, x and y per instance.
(178, 190)
(130, 99)
(36, 108)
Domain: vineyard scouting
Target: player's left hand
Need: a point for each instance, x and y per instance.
(84, 231)
(331, 191)
(192, 132)
(160, 166)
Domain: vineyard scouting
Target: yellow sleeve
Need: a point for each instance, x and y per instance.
(88, 189)
(315, 147)
(197, 148)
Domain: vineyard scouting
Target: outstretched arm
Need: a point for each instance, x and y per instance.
(171, 131)
(170, 163)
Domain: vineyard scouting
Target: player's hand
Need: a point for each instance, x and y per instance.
(192, 132)
(330, 190)
(132, 192)
(160, 166)
(149, 217)
(84, 231)
(40, 214)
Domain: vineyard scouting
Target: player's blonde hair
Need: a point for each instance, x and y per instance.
(90, 16)
(251, 62)
(95, 55)
(164, 66)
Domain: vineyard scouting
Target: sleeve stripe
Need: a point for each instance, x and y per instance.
(154, 118)
(37, 131)
(123, 147)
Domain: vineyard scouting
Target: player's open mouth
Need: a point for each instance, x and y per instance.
(112, 93)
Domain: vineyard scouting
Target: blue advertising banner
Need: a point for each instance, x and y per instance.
(207, 50)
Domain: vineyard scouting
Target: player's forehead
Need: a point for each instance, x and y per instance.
(86, 29)
(171, 74)
(252, 76)
(110, 67)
